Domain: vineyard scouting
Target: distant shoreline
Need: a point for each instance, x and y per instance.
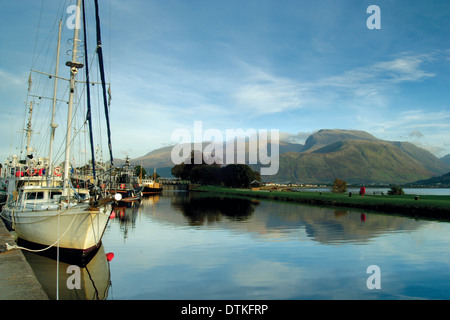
(426, 206)
(370, 190)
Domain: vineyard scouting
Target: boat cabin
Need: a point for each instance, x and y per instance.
(40, 198)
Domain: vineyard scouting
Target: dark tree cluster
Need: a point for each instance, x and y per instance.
(396, 191)
(339, 186)
(232, 175)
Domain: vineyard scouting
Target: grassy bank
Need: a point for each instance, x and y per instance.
(434, 207)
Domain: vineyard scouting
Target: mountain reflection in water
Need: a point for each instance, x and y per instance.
(278, 219)
(189, 245)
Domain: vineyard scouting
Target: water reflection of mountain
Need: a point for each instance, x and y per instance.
(274, 220)
(328, 226)
(94, 276)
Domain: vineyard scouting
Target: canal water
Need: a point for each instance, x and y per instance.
(182, 245)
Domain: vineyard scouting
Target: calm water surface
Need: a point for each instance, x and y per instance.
(195, 246)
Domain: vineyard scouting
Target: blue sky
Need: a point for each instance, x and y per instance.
(297, 66)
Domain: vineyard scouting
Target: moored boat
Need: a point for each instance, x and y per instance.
(151, 187)
(127, 183)
(41, 215)
(42, 205)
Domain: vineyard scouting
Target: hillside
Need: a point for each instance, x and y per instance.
(429, 161)
(355, 156)
(446, 159)
(356, 161)
(326, 137)
(441, 181)
(161, 158)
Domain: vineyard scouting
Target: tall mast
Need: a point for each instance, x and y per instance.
(29, 131)
(74, 66)
(102, 76)
(88, 94)
(53, 125)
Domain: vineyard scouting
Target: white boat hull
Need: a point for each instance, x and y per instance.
(75, 228)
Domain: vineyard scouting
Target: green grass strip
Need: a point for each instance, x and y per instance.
(427, 206)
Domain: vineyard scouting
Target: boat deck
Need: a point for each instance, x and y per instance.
(17, 279)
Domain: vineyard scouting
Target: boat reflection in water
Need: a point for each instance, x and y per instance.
(94, 276)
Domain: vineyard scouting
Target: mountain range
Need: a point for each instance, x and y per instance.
(354, 156)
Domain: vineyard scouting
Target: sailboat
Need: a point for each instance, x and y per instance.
(42, 205)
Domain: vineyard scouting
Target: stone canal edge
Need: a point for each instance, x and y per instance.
(17, 279)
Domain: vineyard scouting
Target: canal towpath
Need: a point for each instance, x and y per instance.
(17, 279)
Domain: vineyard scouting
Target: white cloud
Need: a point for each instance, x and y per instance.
(381, 76)
(299, 137)
(8, 79)
(176, 94)
(267, 93)
(415, 134)
(403, 69)
(275, 96)
(431, 127)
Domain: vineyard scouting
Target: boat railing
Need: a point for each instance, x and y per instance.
(26, 173)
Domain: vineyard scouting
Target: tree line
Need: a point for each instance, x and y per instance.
(232, 175)
(340, 186)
